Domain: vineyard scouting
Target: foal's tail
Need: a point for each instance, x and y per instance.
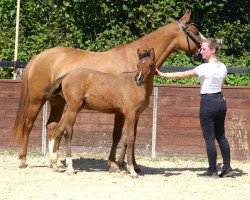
(54, 88)
(24, 101)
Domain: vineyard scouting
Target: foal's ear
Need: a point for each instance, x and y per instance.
(152, 54)
(139, 54)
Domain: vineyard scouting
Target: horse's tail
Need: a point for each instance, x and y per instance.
(54, 88)
(23, 106)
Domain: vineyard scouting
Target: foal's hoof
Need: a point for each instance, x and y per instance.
(23, 166)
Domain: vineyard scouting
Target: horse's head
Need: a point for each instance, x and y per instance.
(146, 66)
(189, 39)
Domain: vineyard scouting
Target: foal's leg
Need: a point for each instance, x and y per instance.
(70, 121)
(117, 132)
(57, 135)
(123, 152)
(33, 111)
(130, 140)
(57, 107)
(66, 123)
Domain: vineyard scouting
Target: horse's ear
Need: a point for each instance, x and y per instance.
(152, 54)
(186, 17)
(139, 54)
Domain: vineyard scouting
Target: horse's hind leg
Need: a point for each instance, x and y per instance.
(117, 133)
(57, 135)
(57, 106)
(33, 111)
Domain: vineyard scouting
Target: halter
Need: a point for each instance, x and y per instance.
(188, 34)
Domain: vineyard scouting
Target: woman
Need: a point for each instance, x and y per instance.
(212, 105)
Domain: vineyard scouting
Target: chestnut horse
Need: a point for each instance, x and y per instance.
(126, 94)
(46, 67)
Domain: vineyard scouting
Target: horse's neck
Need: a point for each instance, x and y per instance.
(163, 41)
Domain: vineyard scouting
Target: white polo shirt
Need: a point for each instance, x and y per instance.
(211, 76)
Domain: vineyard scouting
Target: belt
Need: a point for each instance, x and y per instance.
(212, 94)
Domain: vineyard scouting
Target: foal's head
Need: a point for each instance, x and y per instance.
(146, 66)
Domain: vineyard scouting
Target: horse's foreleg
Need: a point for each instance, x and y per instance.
(117, 132)
(122, 152)
(31, 117)
(137, 169)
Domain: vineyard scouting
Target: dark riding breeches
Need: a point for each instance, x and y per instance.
(213, 110)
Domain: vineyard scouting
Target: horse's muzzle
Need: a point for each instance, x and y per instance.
(139, 79)
(198, 55)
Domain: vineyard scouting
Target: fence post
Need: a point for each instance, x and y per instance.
(16, 40)
(44, 133)
(154, 126)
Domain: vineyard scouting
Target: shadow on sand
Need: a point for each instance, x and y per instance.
(93, 164)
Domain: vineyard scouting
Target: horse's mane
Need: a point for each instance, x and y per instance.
(144, 53)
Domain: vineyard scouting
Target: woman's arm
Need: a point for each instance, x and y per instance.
(185, 74)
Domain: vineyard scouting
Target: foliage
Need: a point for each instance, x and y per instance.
(99, 25)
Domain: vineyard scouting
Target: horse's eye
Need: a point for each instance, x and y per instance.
(151, 65)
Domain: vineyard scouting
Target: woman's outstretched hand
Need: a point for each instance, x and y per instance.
(158, 72)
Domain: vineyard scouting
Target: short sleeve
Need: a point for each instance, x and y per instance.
(200, 70)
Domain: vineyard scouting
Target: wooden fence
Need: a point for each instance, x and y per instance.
(176, 129)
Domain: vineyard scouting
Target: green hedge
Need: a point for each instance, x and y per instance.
(99, 25)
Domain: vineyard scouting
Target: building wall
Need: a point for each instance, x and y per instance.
(177, 124)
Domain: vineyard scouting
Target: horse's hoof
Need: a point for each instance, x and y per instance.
(71, 173)
(134, 176)
(137, 170)
(123, 172)
(114, 170)
(23, 166)
(56, 169)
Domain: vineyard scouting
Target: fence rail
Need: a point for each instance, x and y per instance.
(22, 64)
(169, 126)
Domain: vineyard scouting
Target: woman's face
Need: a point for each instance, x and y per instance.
(206, 52)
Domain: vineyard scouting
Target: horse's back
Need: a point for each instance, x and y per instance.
(55, 62)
